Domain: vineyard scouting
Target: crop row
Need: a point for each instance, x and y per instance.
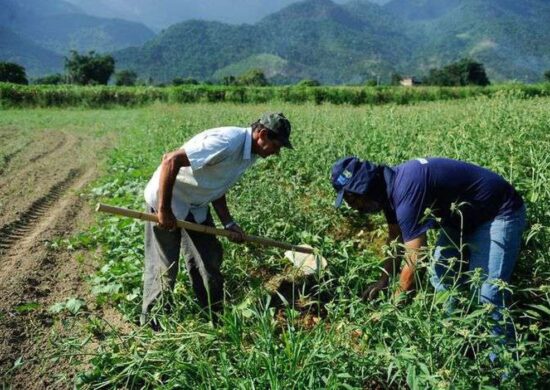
(12, 95)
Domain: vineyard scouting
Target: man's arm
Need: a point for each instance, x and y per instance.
(170, 166)
(412, 250)
(393, 262)
(390, 265)
(220, 205)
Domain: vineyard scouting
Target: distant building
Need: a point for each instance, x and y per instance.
(409, 82)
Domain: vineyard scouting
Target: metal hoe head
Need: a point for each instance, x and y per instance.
(308, 264)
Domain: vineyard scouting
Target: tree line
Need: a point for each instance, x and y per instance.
(97, 69)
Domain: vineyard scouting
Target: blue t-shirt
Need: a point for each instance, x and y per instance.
(437, 183)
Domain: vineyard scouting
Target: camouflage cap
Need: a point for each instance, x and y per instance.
(278, 124)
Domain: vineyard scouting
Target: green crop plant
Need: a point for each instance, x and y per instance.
(320, 334)
(15, 95)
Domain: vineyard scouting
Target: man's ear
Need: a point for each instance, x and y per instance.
(263, 133)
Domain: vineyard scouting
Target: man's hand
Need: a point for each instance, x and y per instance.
(220, 205)
(238, 235)
(399, 297)
(167, 220)
(372, 290)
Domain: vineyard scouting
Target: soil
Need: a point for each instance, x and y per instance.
(42, 174)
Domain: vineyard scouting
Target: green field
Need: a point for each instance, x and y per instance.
(321, 335)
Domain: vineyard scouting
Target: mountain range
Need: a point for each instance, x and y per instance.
(355, 41)
(160, 14)
(38, 34)
(333, 42)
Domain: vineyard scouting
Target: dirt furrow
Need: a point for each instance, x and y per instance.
(33, 276)
(8, 157)
(49, 151)
(39, 203)
(12, 232)
(47, 145)
(39, 169)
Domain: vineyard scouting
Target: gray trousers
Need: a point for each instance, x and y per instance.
(203, 257)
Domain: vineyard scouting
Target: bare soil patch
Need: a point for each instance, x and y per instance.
(41, 177)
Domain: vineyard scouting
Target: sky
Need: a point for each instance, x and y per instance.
(159, 14)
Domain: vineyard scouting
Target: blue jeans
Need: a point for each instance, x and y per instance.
(493, 247)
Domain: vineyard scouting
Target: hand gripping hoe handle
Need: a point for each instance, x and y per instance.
(201, 228)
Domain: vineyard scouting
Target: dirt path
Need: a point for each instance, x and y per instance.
(41, 175)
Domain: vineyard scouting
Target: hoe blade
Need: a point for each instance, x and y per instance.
(308, 264)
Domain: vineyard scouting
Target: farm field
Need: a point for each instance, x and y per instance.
(72, 279)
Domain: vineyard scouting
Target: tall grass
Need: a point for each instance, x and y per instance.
(319, 334)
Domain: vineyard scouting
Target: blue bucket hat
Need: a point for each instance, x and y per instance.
(350, 174)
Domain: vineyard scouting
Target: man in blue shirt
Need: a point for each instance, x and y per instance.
(481, 218)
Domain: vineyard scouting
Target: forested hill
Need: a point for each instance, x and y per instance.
(37, 60)
(356, 41)
(512, 38)
(332, 42)
(57, 26)
(311, 39)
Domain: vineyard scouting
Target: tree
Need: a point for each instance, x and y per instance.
(126, 78)
(12, 73)
(439, 77)
(547, 76)
(187, 81)
(309, 83)
(253, 77)
(229, 80)
(395, 79)
(53, 79)
(474, 72)
(463, 72)
(89, 69)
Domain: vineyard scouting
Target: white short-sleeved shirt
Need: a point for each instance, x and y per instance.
(218, 159)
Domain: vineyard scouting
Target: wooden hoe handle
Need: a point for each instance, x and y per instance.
(200, 228)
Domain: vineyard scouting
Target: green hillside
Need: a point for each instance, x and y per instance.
(317, 39)
(272, 66)
(418, 10)
(84, 33)
(357, 41)
(20, 11)
(33, 29)
(511, 38)
(336, 45)
(331, 42)
(34, 58)
(191, 49)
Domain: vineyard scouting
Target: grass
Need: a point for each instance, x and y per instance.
(324, 336)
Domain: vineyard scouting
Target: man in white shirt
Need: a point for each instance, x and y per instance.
(182, 187)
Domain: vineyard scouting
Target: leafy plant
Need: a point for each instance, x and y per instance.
(71, 305)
